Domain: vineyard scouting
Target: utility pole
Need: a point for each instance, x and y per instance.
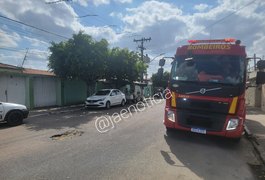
(142, 48)
(25, 57)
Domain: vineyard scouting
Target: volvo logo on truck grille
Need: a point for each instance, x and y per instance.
(203, 90)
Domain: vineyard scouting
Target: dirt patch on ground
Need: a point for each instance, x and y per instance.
(67, 134)
(259, 171)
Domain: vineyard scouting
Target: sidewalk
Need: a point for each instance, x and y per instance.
(255, 129)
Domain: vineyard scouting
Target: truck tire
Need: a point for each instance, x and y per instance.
(170, 131)
(235, 140)
(14, 118)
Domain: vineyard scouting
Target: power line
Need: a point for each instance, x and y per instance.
(209, 26)
(97, 17)
(34, 27)
(25, 36)
(58, 1)
(221, 19)
(9, 49)
(25, 57)
(23, 51)
(142, 48)
(87, 15)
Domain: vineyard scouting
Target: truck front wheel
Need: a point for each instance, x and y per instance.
(14, 118)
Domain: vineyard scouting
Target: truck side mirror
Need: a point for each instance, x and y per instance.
(162, 62)
(260, 78)
(261, 64)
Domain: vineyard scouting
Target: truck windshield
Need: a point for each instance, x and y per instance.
(223, 69)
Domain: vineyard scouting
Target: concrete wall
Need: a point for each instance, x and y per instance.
(20, 88)
(73, 92)
(263, 98)
(13, 88)
(45, 91)
(253, 96)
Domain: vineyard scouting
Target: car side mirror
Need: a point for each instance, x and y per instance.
(260, 78)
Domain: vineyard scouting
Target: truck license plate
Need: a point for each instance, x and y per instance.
(198, 130)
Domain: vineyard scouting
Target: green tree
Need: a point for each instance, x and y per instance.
(124, 66)
(160, 82)
(80, 57)
(83, 58)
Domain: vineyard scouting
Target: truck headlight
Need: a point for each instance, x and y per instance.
(232, 124)
(171, 115)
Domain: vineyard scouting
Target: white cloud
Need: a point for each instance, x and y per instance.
(102, 32)
(167, 24)
(8, 39)
(36, 42)
(15, 58)
(201, 7)
(148, 14)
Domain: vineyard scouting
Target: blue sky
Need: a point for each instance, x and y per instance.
(168, 23)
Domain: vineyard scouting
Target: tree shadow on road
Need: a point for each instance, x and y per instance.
(71, 119)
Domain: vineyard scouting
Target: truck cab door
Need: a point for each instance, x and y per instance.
(1, 111)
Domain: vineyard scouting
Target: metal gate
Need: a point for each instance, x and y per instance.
(44, 91)
(13, 89)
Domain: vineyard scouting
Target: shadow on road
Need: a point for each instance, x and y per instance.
(203, 155)
(71, 119)
(256, 124)
(4, 125)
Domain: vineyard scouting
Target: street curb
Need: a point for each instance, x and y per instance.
(60, 110)
(254, 141)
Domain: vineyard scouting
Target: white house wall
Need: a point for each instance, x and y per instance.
(13, 89)
(44, 91)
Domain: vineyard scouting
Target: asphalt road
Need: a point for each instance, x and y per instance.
(138, 147)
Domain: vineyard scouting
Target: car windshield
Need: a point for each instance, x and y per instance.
(209, 68)
(102, 92)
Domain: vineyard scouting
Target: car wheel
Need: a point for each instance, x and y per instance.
(14, 118)
(107, 105)
(138, 99)
(123, 102)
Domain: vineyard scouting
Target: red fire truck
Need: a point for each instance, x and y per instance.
(207, 88)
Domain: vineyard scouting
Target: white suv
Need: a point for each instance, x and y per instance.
(106, 98)
(12, 113)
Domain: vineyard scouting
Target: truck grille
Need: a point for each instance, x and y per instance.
(203, 105)
(209, 115)
(206, 120)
